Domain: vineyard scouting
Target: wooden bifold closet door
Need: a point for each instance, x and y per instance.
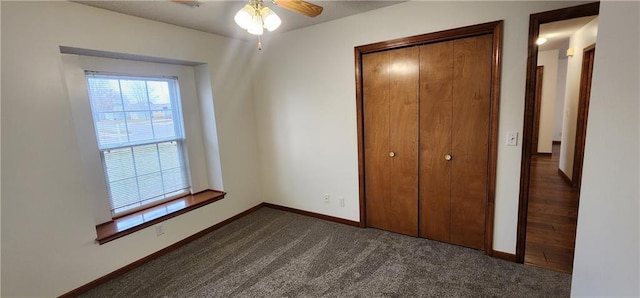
(391, 145)
(455, 91)
(426, 117)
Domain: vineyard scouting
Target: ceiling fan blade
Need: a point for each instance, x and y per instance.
(192, 3)
(300, 6)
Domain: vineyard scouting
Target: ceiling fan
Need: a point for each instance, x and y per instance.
(255, 16)
(299, 6)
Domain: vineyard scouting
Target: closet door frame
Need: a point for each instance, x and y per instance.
(494, 28)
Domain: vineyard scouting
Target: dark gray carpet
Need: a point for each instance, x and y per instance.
(272, 253)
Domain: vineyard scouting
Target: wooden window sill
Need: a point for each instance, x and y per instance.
(126, 225)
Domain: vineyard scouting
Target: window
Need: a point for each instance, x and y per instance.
(124, 111)
(138, 126)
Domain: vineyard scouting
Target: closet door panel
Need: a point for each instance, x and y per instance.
(436, 87)
(403, 114)
(375, 75)
(390, 92)
(470, 139)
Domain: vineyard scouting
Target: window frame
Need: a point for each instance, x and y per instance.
(194, 153)
(179, 138)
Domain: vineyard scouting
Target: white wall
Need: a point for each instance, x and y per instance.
(607, 242)
(306, 112)
(583, 38)
(561, 87)
(548, 59)
(48, 232)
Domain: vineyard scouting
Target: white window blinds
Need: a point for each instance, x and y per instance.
(138, 126)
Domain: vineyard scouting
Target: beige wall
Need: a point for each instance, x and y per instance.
(48, 229)
(561, 87)
(607, 261)
(583, 38)
(548, 59)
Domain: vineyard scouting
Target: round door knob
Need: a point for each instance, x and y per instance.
(392, 154)
(447, 157)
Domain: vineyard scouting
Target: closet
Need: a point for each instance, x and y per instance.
(427, 140)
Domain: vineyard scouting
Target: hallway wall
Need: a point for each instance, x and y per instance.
(548, 59)
(583, 38)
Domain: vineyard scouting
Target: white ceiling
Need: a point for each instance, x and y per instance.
(558, 33)
(217, 16)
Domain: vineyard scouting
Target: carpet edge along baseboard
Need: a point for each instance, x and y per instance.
(121, 271)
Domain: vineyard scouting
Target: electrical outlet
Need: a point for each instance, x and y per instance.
(341, 201)
(159, 230)
(326, 198)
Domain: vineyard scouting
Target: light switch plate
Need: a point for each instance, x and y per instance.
(512, 138)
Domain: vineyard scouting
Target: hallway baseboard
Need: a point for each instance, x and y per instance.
(565, 177)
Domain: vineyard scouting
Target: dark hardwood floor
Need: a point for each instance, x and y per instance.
(552, 217)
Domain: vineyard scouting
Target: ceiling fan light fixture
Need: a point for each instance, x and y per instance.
(270, 19)
(245, 16)
(254, 17)
(256, 27)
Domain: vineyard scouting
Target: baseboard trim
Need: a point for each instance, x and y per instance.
(86, 287)
(504, 256)
(313, 214)
(556, 142)
(565, 177)
(546, 154)
(119, 272)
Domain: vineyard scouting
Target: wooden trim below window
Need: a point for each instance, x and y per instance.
(86, 287)
(219, 195)
(139, 220)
